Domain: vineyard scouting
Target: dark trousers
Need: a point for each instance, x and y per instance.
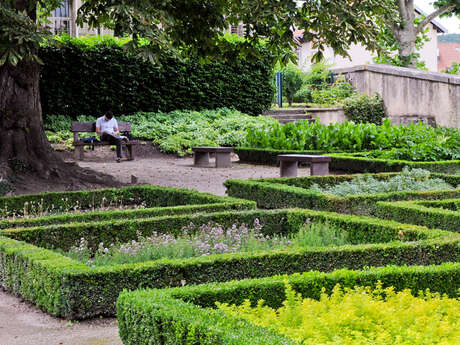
(113, 139)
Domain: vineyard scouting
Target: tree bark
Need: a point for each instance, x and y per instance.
(23, 145)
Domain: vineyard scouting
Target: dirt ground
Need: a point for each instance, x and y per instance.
(22, 323)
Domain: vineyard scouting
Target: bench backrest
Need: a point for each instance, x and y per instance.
(91, 127)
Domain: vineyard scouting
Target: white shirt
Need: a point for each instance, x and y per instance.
(106, 126)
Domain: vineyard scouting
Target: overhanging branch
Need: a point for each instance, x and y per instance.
(441, 10)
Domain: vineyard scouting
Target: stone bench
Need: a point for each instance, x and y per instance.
(90, 127)
(319, 165)
(223, 156)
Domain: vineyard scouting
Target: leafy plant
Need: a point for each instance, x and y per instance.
(177, 131)
(358, 316)
(454, 69)
(354, 137)
(364, 108)
(333, 94)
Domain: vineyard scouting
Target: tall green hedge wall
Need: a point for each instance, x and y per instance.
(78, 80)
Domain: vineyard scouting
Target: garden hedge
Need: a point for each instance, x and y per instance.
(441, 214)
(70, 289)
(78, 80)
(354, 163)
(186, 315)
(348, 162)
(270, 193)
(266, 156)
(138, 196)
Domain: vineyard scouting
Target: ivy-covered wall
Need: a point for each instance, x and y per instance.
(88, 80)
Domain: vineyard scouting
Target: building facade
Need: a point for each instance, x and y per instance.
(63, 21)
(449, 51)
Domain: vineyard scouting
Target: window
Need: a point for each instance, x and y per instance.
(61, 19)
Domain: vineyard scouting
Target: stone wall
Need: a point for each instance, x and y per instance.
(409, 94)
(327, 115)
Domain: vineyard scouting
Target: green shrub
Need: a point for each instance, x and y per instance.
(272, 193)
(265, 156)
(368, 315)
(360, 163)
(364, 108)
(348, 162)
(432, 214)
(64, 202)
(336, 93)
(185, 315)
(82, 77)
(70, 289)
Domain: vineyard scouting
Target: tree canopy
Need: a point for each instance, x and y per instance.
(195, 26)
(406, 33)
(182, 27)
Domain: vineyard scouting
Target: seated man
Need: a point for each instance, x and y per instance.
(107, 128)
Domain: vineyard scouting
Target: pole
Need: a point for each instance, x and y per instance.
(279, 88)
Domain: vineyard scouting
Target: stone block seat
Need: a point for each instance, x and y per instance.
(319, 165)
(223, 156)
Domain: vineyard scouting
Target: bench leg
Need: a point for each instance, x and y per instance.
(319, 169)
(78, 153)
(288, 169)
(201, 158)
(223, 160)
(130, 152)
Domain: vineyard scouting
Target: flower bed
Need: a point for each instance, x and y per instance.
(71, 289)
(187, 315)
(296, 192)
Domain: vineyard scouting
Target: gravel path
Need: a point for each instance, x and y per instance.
(23, 324)
(171, 171)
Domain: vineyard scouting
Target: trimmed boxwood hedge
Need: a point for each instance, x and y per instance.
(348, 162)
(147, 196)
(441, 214)
(111, 215)
(272, 193)
(70, 289)
(266, 156)
(353, 163)
(186, 316)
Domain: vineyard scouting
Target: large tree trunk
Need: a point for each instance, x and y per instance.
(406, 48)
(406, 32)
(23, 145)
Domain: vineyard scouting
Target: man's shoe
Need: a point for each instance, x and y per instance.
(118, 160)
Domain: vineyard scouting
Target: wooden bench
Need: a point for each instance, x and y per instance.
(223, 156)
(319, 165)
(90, 127)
